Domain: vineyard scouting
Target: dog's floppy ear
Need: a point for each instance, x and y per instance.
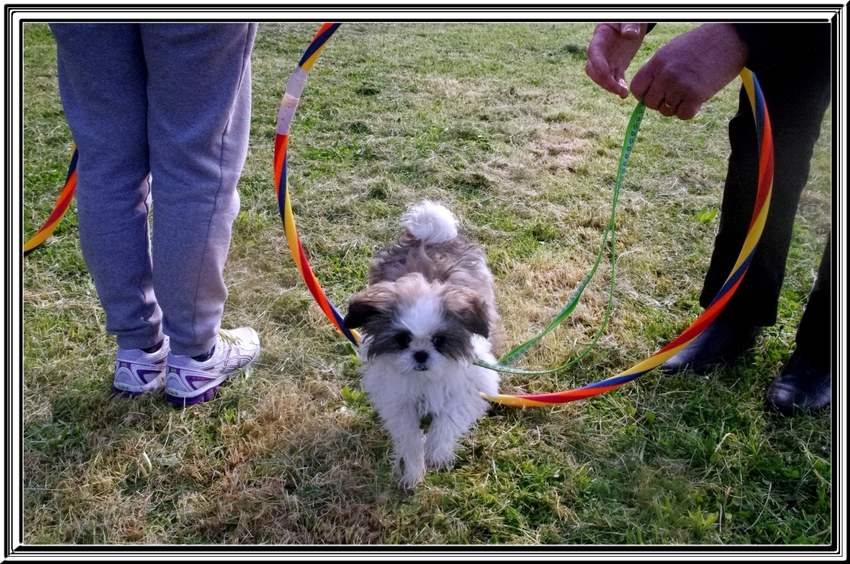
(359, 314)
(368, 305)
(469, 309)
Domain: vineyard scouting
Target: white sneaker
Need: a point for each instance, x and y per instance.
(137, 372)
(188, 381)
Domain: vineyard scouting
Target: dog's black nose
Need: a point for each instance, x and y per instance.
(421, 357)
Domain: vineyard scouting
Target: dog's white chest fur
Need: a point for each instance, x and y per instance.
(449, 394)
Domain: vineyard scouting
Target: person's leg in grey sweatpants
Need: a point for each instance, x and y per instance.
(161, 109)
(198, 126)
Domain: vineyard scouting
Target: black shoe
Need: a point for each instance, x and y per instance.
(720, 342)
(800, 387)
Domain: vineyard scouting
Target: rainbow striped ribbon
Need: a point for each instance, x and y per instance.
(765, 187)
(59, 208)
(294, 87)
(765, 184)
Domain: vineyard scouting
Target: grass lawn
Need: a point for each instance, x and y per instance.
(500, 122)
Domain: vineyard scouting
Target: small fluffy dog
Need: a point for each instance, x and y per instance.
(427, 314)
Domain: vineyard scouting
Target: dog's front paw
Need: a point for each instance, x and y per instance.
(409, 473)
(409, 463)
(439, 455)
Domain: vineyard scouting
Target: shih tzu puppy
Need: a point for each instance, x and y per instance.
(426, 315)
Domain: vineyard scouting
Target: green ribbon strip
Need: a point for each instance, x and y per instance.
(513, 355)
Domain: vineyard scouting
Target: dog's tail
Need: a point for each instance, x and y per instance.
(430, 222)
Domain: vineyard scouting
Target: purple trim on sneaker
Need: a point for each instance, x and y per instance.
(144, 374)
(195, 381)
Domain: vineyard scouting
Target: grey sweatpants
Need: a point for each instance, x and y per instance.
(159, 112)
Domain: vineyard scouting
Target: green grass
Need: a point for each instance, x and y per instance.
(500, 122)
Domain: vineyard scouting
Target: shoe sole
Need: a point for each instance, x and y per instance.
(204, 396)
(128, 393)
(706, 367)
(699, 370)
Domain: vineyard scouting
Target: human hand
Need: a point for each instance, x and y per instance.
(611, 50)
(682, 75)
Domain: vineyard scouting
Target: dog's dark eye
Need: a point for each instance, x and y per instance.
(439, 341)
(402, 340)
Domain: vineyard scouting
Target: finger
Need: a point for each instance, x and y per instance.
(641, 82)
(687, 110)
(622, 89)
(631, 30)
(598, 70)
(667, 109)
(653, 98)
